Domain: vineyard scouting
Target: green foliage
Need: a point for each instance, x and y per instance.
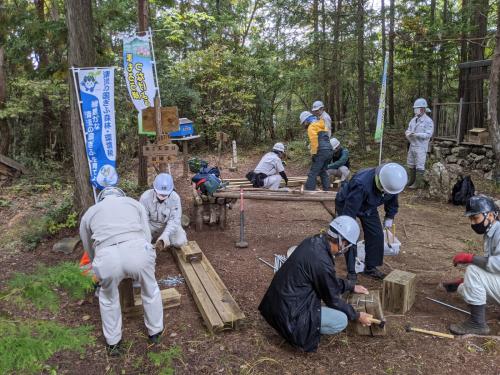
(163, 360)
(39, 287)
(25, 346)
(4, 203)
(58, 217)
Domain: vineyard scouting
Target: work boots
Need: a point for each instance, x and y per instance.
(419, 180)
(476, 324)
(411, 176)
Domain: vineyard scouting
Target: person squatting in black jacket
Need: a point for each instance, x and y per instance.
(292, 304)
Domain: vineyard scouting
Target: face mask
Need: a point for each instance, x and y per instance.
(416, 111)
(480, 228)
(161, 198)
(343, 249)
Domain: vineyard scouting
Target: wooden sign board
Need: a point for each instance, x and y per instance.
(221, 136)
(166, 153)
(169, 120)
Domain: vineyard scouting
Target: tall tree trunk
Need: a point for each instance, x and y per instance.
(442, 55)
(493, 101)
(390, 73)
(316, 34)
(4, 126)
(361, 71)
(479, 23)
(335, 89)
(81, 53)
(143, 20)
(324, 74)
(48, 118)
(382, 21)
(463, 46)
(430, 55)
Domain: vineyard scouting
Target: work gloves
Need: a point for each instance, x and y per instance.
(463, 258)
(452, 285)
(388, 223)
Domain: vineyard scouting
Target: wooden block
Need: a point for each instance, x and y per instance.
(370, 304)
(191, 252)
(203, 302)
(399, 288)
(170, 298)
(126, 291)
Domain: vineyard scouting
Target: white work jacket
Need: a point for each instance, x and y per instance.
(166, 214)
(422, 128)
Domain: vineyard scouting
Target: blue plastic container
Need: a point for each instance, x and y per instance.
(186, 129)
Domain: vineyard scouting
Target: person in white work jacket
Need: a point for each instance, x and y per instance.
(318, 110)
(163, 206)
(115, 233)
(419, 133)
(481, 282)
(270, 169)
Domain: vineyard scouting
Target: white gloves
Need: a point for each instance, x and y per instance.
(388, 223)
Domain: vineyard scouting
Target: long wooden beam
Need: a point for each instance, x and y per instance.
(314, 197)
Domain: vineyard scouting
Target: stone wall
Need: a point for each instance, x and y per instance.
(472, 159)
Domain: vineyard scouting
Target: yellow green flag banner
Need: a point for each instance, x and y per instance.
(379, 131)
(138, 69)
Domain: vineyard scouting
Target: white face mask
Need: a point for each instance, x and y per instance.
(417, 111)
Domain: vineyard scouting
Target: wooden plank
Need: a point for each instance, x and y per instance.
(399, 288)
(12, 163)
(191, 252)
(170, 298)
(203, 302)
(227, 298)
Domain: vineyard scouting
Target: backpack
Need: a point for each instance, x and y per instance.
(257, 179)
(462, 191)
(196, 164)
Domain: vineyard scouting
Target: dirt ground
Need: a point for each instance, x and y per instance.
(430, 232)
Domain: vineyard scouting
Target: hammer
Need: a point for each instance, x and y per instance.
(409, 328)
(380, 323)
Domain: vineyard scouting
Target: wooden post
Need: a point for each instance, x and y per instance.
(143, 18)
(159, 131)
(370, 304)
(126, 291)
(399, 289)
(185, 158)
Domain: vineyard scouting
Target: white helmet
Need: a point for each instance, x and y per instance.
(392, 177)
(346, 226)
(110, 191)
(420, 103)
(279, 147)
(318, 104)
(335, 143)
(163, 184)
(304, 115)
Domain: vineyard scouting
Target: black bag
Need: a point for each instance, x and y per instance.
(257, 179)
(462, 191)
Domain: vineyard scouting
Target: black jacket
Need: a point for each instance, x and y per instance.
(292, 304)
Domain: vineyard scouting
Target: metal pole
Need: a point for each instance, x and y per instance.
(380, 150)
(450, 306)
(267, 263)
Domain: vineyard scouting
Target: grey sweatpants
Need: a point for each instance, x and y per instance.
(134, 259)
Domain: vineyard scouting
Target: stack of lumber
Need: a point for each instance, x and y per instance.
(278, 195)
(243, 182)
(216, 305)
(170, 298)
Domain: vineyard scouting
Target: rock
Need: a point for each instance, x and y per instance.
(479, 150)
(478, 158)
(451, 159)
(490, 154)
(489, 176)
(441, 180)
(462, 162)
(447, 143)
(66, 245)
(471, 157)
(460, 151)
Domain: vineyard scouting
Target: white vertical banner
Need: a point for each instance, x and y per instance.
(379, 130)
(95, 90)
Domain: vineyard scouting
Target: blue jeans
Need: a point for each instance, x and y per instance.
(319, 167)
(332, 321)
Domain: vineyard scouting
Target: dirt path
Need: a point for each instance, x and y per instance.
(430, 233)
